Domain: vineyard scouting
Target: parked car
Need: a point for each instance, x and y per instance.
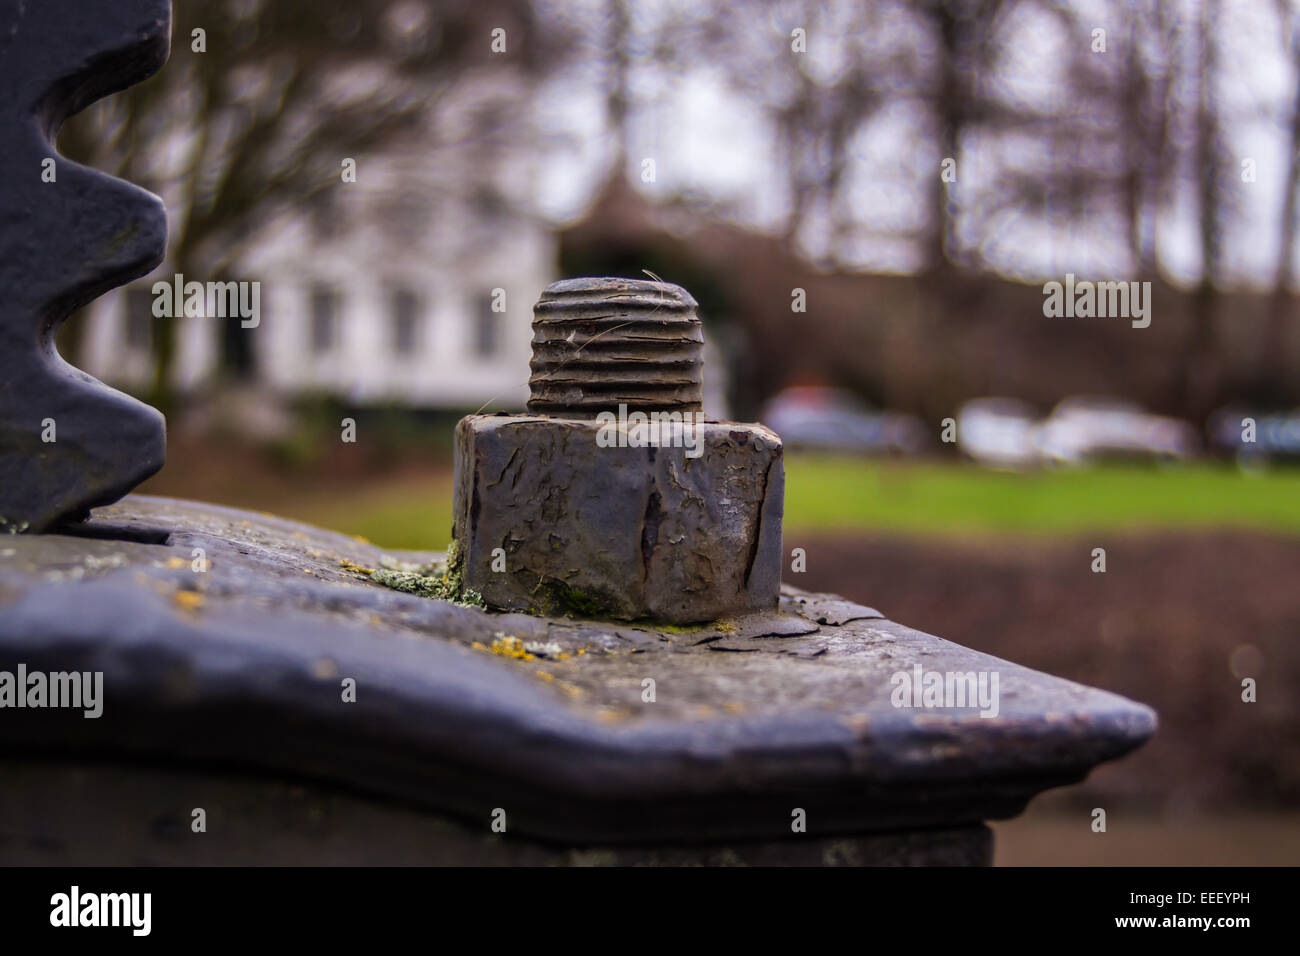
(831, 419)
(998, 432)
(1276, 436)
(1006, 432)
(1087, 429)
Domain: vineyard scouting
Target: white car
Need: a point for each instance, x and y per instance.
(1085, 429)
(999, 432)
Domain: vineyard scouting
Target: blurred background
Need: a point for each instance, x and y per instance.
(866, 197)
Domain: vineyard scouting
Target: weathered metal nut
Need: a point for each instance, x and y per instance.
(620, 533)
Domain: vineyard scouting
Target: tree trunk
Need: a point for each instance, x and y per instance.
(1202, 366)
(1273, 363)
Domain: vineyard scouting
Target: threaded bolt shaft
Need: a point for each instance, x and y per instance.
(601, 343)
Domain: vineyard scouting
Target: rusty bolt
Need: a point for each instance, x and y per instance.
(615, 497)
(603, 342)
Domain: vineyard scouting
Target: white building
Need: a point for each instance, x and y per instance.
(414, 284)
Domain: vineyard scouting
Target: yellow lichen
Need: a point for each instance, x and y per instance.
(355, 568)
(512, 647)
(188, 600)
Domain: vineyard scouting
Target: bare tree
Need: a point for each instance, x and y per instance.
(1201, 365)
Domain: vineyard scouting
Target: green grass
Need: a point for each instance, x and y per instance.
(845, 494)
(834, 493)
(414, 516)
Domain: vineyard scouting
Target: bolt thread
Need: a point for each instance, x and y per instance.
(601, 343)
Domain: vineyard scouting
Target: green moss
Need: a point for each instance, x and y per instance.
(455, 566)
(721, 625)
(568, 601)
(413, 582)
(443, 581)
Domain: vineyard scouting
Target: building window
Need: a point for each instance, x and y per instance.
(138, 318)
(487, 329)
(405, 306)
(408, 220)
(323, 214)
(324, 319)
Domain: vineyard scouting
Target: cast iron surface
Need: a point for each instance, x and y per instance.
(62, 244)
(71, 814)
(241, 667)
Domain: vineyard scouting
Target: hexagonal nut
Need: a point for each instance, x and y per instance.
(550, 522)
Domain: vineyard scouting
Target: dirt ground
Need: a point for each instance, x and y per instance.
(1176, 621)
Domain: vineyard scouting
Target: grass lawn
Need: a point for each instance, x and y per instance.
(846, 494)
(412, 515)
(832, 493)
